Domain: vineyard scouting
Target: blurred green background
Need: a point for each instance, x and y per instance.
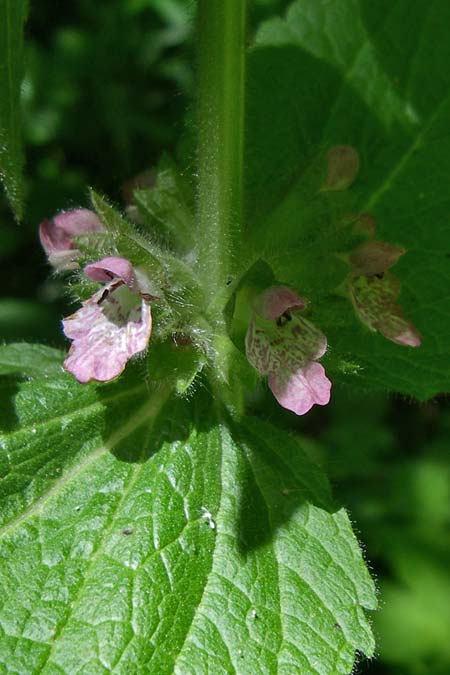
(106, 90)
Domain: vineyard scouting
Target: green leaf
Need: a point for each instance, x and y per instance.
(139, 246)
(22, 319)
(177, 361)
(166, 209)
(417, 591)
(356, 72)
(162, 543)
(12, 18)
(30, 359)
(123, 235)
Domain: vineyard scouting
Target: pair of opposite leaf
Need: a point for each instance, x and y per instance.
(115, 323)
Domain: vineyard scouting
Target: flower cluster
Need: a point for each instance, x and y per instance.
(115, 323)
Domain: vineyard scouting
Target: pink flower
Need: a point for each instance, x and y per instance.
(57, 236)
(110, 327)
(374, 293)
(285, 347)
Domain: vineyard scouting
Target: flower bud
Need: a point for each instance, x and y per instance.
(342, 167)
(57, 236)
(365, 225)
(373, 258)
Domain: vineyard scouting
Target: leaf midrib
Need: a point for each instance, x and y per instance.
(200, 602)
(132, 424)
(100, 403)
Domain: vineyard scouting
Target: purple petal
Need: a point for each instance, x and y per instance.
(277, 300)
(395, 328)
(270, 347)
(300, 390)
(106, 334)
(410, 337)
(112, 267)
(57, 234)
(54, 238)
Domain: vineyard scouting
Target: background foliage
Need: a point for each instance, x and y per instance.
(387, 456)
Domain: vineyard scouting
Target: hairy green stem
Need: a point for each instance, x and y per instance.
(220, 95)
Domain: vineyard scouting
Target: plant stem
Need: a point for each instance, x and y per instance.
(220, 95)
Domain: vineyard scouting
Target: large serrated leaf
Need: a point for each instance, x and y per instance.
(135, 539)
(12, 17)
(356, 72)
